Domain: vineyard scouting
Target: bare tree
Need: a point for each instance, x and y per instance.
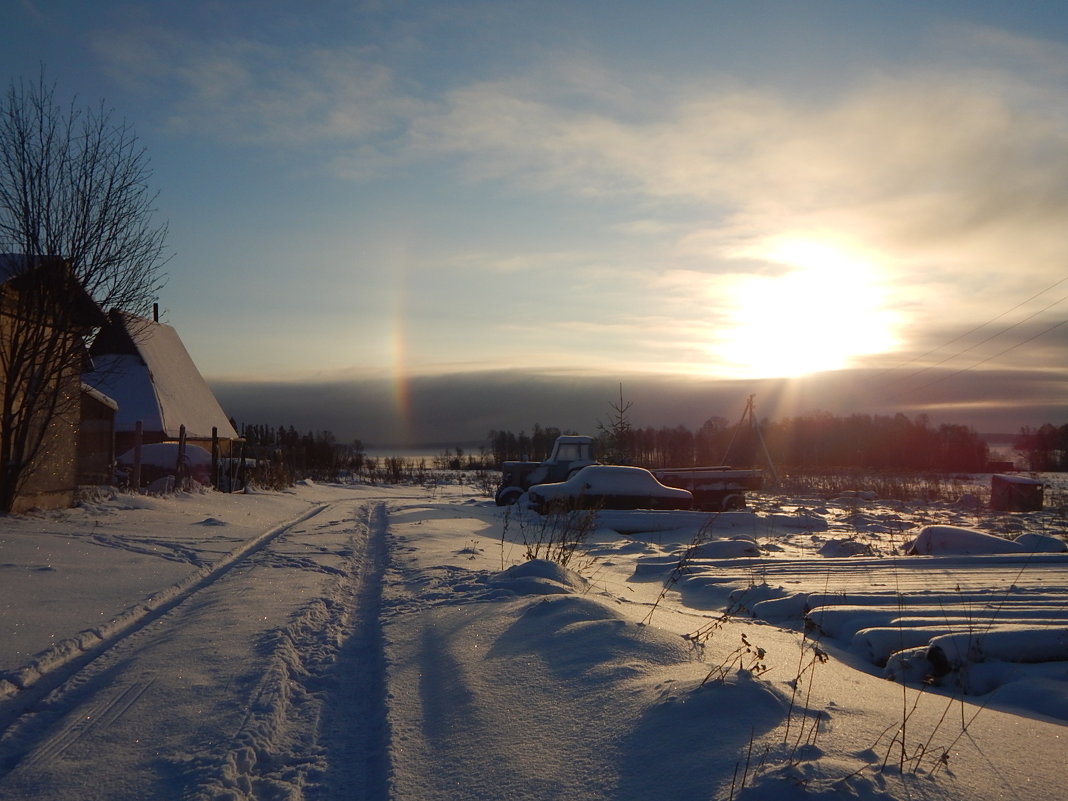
(76, 217)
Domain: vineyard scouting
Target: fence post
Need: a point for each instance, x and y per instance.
(135, 479)
(215, 456)
(181, 470)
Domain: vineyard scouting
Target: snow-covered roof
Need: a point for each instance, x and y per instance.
(99, 397)
(145, 367)
(1030, 482)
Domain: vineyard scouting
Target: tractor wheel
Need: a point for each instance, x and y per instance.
(732, 502)
(508, 496)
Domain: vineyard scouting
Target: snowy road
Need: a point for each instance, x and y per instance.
(395, 643)
(246, 663)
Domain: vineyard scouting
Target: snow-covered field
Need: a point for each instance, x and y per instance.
(363, 642)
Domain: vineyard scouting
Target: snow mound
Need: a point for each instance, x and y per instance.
(538, 577)
(693, 734)
(739, 696)
(580, 636)
(952, 540)
(857, 495)
(644, 521)
(1041, 543)
(161, 486)
(803, 521)
(817, 778)
(861, 522)
(844, 548)
(725, 549)
(1030, 693)
(1009, 644)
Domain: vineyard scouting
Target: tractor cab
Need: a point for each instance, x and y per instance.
(570, 453)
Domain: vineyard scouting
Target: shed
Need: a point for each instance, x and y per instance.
(144, 366)
(1015, 493)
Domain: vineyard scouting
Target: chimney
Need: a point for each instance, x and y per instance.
(155, 312)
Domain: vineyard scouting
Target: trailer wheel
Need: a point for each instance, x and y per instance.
(508, 496)
(732, 502)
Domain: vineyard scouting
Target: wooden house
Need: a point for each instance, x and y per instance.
(45, 316)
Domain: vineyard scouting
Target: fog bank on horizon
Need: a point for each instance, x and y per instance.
(463, 408)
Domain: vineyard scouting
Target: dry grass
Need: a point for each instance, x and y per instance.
(916, 487)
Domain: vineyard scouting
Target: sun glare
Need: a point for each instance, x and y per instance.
(823, 313)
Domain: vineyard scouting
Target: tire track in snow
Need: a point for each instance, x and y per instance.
(103, 712)
(355, 725)
(24, 686)
(31, 717)
(316, 726)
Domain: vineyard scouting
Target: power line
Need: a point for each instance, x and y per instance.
(992, 356)
(980, 327)
(898, 390)
(992, 337)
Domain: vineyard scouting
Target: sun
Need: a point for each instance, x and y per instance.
(824, 312)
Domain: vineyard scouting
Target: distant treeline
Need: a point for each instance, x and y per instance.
(284, 453)
(816, 441)
(1046, 447)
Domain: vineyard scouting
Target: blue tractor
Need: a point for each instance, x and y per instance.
(570, 453)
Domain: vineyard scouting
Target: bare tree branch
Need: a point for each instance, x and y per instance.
(77, 222)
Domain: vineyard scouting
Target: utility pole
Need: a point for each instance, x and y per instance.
(750, 415)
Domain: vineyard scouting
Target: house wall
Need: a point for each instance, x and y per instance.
(96, 442)
(51, 482)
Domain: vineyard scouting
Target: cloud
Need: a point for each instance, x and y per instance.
(977, 127)
(953, 181)
(917, 160)
(245, 90)
(949, 175)
(938, 169)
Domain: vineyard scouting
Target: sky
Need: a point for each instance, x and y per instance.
(415, 200)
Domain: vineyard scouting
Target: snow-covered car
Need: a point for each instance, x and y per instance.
(602, 486)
